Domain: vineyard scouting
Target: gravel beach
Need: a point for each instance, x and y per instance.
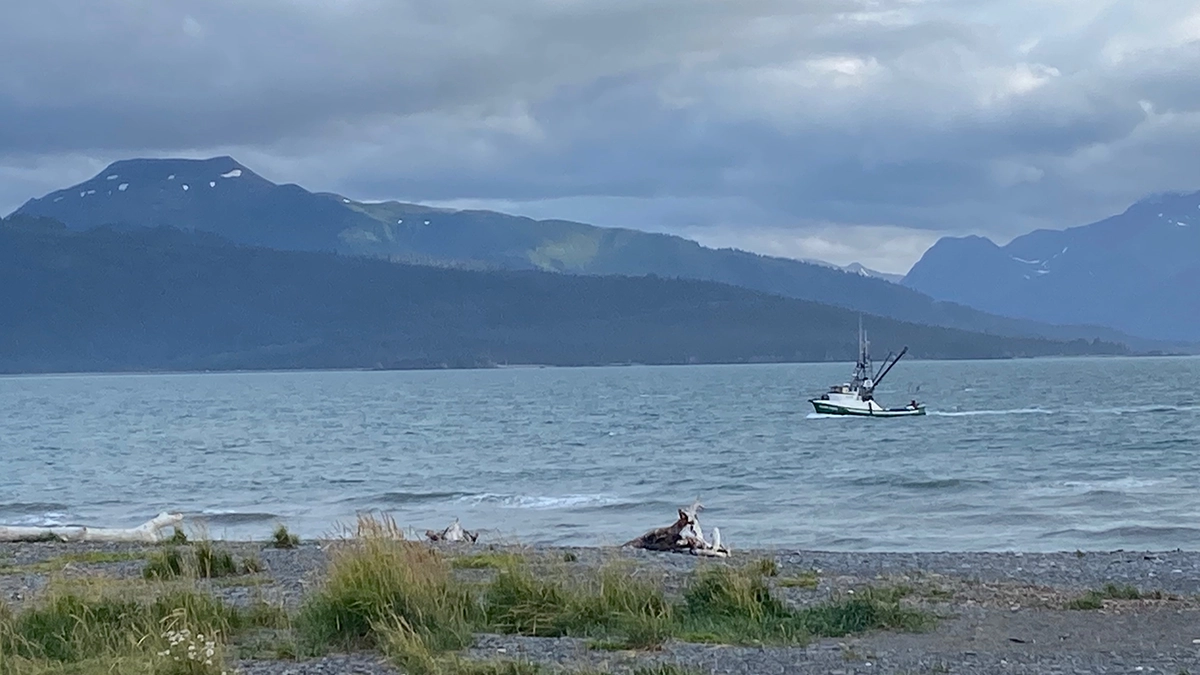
(997, 612)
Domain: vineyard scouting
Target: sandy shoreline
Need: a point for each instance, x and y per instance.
(998, 612)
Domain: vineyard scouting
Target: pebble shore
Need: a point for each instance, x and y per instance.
(998, 612)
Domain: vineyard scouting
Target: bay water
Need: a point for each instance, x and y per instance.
(1030, 455)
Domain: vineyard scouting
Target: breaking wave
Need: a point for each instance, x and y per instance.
(539, 502)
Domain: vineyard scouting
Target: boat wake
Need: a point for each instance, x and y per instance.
(1141, 410)
(974, 413)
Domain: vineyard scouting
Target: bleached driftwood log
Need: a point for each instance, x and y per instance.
(148, 532)
(454, 532)
(682, 536)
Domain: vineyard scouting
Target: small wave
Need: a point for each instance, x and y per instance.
(34, 514)
(235, 517)
(29, 508)
(541, 503)
(620, 506)
(416, 497)
(973, 413)
(1120, 485)
(1132, 534)
(1149, 410)
(918, 483)
(823, 416)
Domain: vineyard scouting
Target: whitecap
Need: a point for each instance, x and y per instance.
(541, 502)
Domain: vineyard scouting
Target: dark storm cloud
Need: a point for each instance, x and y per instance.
(776, 123)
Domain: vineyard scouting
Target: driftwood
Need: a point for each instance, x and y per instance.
(682, 536)
(148, 532)
(454, 532)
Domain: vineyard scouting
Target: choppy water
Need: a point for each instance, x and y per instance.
(1029, 455)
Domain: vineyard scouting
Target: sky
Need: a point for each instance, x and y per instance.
(842, 130)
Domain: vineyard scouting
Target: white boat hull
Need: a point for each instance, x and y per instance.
(862, 408)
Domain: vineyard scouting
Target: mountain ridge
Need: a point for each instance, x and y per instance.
(1132, 271)
(111, 299)
(249, 209)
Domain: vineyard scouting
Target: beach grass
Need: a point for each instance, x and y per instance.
(808, 580)
(1094, 599)
(94, 625)
(403, 598)
(378, 583)
(420, 608)
(202, 560)
(284, 539)
(60, 562)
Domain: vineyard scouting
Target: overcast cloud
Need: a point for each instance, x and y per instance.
(848, 130)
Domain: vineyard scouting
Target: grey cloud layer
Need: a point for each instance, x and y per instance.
(949, 115)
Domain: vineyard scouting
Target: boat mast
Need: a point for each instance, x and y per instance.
(862, 369)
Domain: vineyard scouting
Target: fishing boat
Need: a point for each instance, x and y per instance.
(857, 397)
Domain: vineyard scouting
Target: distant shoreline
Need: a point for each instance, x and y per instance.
(543, 366)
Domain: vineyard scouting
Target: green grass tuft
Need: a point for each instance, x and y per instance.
(1114, 592)
(1087, 601)
(1095, 599)
(213, 562)
(284, 539)
(377, 582)
(766, 567)
(78, 626)
(724, 605)
(203, 560)
(165, 564)
(611, 605)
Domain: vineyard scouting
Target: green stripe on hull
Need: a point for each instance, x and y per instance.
(824, 408)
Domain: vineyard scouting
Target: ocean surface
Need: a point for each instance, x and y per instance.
(1032, 455)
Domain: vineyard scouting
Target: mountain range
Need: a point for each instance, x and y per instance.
(113, 299)
(223, 197)
(1136, 272)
